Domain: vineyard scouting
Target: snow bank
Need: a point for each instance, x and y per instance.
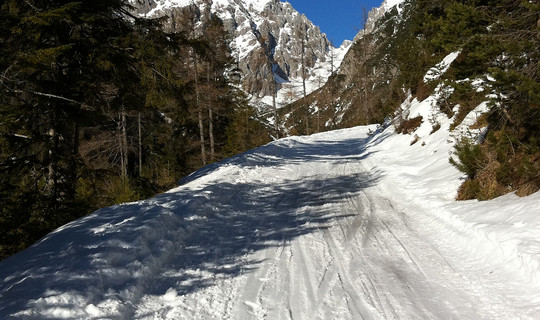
(502, 232)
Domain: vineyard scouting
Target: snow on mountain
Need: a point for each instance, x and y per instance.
(257, 5)
(389, 4)
(280, 24)
(358, 223)
(319, 73)
(436, 72)
(376, 13)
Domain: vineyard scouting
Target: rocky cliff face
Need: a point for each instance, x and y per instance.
(368, 40)
(258, 24)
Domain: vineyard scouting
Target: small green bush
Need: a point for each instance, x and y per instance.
(471, 158)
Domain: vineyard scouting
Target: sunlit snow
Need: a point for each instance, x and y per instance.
(349, 224)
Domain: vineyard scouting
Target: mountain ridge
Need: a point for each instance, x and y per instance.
(249, 23)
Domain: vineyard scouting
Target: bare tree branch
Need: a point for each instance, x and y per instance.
(37, 93)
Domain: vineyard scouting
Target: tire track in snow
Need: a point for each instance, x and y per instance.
(403, 247)
(365, 275)
(363, 226)
(385, 248)
(300, 301)
(293, 277)
(250, 303)
(358, 308)
(337, 269)
(402, 262)
(277, 263)
(302, 293)
(398, 251)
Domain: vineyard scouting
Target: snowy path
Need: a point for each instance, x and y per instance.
(319, 227)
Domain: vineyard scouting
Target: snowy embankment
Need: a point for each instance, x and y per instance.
(350, 224)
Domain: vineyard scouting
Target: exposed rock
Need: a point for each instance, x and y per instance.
(256, 25)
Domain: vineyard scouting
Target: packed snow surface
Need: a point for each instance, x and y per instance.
(349, 224)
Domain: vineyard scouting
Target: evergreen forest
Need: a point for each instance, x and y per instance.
(99, 106)
(499, 45)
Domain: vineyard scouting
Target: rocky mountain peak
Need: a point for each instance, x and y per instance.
(255, 25)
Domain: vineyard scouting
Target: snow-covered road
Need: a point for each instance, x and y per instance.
(319, 227)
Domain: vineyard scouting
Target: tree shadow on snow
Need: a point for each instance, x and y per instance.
(185, 240)
(291, 150)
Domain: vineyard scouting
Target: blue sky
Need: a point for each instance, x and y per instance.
(339, 19)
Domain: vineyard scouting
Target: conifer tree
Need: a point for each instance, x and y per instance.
(65, 67)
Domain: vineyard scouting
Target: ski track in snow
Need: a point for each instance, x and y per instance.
(303, 228)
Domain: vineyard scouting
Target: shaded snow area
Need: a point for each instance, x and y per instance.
(350, 224)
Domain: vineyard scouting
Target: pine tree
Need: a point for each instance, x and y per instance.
(65, 67)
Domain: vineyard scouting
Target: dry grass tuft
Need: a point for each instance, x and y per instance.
(410, 125)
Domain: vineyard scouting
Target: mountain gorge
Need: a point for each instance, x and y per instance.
(366, 87)
(104, 104)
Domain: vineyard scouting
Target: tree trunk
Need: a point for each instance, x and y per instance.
(140, 143)
(199, 108)
(210, 117)
(73, 163)
(211, 134)
(274, 89)
(303, 35)
(304, 68)
(201, 133)
(268, 57)
(52, 179)
(123, 144)
(332, 60)
(276, 123)
(245, 140)
(304, 39)
(318, 119)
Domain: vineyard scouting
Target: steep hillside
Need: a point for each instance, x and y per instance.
(99, 106)
(357, 223)
(495, 45)
(349, 224)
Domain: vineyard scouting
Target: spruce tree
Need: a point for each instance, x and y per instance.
(65, 67)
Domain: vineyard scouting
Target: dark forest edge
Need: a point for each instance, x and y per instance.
(100, 107)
